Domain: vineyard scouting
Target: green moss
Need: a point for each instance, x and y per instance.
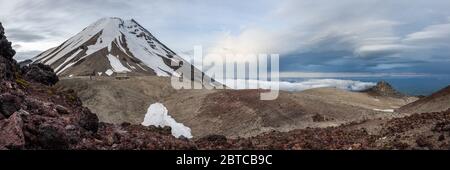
(22, 82)
(71, 97)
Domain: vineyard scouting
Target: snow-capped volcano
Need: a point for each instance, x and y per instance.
(112, 45)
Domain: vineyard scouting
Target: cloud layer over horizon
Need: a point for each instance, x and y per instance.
(402, 36)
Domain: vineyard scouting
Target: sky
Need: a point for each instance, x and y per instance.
(324, 36)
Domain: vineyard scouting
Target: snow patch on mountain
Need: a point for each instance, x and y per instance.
(157, 115)
(384, 110)
(116, 65)
(59, 70)
(109, 33)
(115, 36)
(109, 72)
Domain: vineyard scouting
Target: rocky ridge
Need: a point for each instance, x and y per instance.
(436, 102)
(384, 89)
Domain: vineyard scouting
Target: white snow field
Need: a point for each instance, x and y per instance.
(385, 110)
(157, 115)
(116, 65)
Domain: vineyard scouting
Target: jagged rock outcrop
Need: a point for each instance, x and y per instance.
(8, 66)
(384, 89)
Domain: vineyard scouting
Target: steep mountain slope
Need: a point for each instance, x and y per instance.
(436, 102)
(112, 45)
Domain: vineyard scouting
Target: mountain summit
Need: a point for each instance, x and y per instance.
(110, 46)
(383, 88)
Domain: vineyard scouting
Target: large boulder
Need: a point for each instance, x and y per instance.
(11, 134)
(88, 120)
(9, 104)
(51, 136)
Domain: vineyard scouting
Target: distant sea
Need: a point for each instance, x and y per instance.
(419, 85)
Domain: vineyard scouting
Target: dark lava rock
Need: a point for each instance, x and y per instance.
(216, 138)
(320, 118)
(61, 110)
(9, 104)
(442, 127)
(8, 66)
(5, 46)
(40, 73)
(218, 142)
(88, 120)
(424, 142)
(441, 138)
(52, 137)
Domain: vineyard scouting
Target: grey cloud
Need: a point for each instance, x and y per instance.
(391, 66)
(435, 34)
(20, 56)
(16, 46)
(381, 35)
(381, 50)
(320, 34)
(17, 34)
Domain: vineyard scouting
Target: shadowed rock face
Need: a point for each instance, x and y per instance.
(7, 65)
(40, 73)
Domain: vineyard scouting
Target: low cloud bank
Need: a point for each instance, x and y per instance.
(349, 85)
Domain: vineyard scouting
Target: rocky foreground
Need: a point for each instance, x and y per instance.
(36, 115)
(419, 131)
